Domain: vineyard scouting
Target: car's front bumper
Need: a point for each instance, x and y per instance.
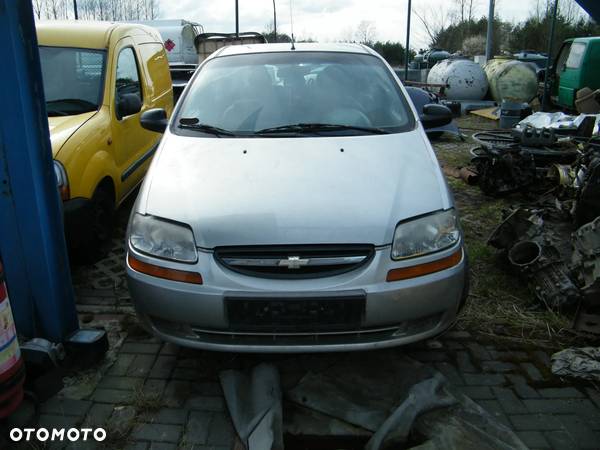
(395, 313)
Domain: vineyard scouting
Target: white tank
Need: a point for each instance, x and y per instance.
(464, 79)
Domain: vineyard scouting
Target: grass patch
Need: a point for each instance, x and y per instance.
(146, 402)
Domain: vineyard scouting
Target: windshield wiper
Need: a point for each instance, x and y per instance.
(315, 127)
(192, 124)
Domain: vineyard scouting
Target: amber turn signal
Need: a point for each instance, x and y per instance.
(405, 273)
(65, 193)
(163, 272)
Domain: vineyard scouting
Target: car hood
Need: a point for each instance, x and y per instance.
(63, 127)
(294, 190)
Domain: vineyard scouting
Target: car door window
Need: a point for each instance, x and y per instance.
(576, 55)
(128, 80)
(562, 57)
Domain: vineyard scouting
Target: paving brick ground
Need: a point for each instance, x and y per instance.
(159, 396)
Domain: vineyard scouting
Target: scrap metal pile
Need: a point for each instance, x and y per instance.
(526, 159)
(554, 239)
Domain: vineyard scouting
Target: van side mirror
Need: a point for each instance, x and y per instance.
(128, 104)
(154, 119)
(435, 115)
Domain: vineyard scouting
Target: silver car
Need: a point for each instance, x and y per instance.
(295, 204)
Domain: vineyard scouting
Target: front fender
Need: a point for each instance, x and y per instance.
(88, 156)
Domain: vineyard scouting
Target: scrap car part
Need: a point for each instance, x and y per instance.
(538, 255)
(534, 136)
(548, 275)
(586, 264)
(495, 139)
(518, 224)
(587, 206)
(505, 165)
(505, 171)
(586, 254)
(561, 175)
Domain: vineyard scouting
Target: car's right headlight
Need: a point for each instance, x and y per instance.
(162, 238)
(427, 234)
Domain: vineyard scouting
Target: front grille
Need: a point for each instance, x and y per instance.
(294, 261)
(304, 314)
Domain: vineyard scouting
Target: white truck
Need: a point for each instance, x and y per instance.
(178, 38)
(188, 45)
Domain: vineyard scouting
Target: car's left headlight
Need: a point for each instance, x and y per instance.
(162, 238)
(62, 180)
(427, 234)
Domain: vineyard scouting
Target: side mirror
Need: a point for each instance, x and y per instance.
(435, 115)
(154, 119)
(128, 104)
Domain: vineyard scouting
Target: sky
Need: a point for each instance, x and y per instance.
(331, 20)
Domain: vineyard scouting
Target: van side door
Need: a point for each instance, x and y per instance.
(570, 75)
(133, 145)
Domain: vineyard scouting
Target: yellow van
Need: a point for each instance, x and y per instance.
(98, 78)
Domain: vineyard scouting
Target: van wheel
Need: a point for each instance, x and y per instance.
(101, 224)
(95, 241)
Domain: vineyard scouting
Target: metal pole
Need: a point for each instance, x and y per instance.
(237, 20)
(490, 32)
(75, 9)
(407, 50)
(32, 241)
(550, 45)
(274, 21)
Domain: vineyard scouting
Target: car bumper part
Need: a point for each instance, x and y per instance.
(357, 310)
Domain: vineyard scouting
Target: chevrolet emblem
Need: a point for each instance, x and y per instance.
(293, 262)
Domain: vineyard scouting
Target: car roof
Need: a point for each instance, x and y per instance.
(287, 47)
(583, 39)
(88, 34)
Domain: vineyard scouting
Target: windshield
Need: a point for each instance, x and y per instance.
(72, 79)
(247, 94)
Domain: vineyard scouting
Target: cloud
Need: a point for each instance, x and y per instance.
(327, 20)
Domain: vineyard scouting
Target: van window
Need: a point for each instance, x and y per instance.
(576, 56)
(128, 79)
(155, 60)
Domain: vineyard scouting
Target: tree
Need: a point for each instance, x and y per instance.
(97, 9)
(366, 32)
(392, 52)
(269, 34)
(532, 34)
(38, 7)
(434, 21)
(466, 9)
(474, 45)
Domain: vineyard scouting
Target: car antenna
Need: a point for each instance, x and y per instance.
(292, 22)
